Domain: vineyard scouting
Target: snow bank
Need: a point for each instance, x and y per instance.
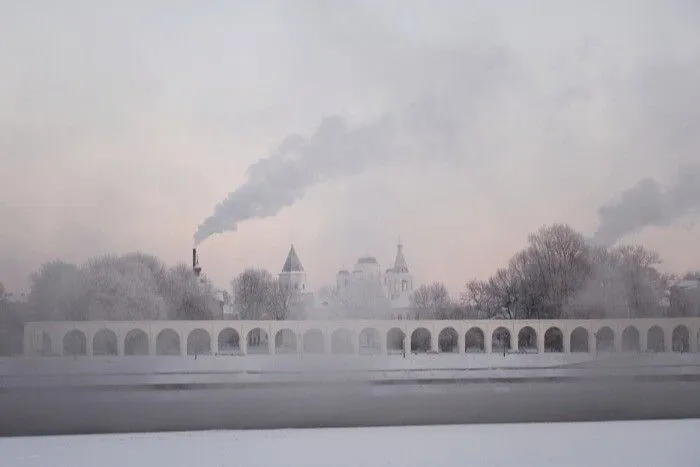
(619, 444)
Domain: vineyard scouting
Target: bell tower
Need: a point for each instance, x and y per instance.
(399, 280)
(292, 275)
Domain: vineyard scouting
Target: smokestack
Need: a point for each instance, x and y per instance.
(195, 263)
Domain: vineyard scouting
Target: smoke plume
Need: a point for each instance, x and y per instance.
(336, 149)
(281, 179)
(430, 126)
(648, 204)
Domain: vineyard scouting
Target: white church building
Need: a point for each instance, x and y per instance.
(366, 286)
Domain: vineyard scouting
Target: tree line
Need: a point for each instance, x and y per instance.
(562, 275)
(129, 287)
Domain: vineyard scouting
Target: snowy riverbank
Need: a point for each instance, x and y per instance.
(111, 371)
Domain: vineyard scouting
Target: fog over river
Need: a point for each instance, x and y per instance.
(66, 411)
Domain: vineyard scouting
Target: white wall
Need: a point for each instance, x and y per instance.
(346, 334)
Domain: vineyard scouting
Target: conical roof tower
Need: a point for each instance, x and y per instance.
(400, 265)
(292, 263)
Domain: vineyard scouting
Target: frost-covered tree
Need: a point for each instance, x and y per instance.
(251, 290)
(623, 282)
(130, 287)
(499, 297)
(560, 275)
(431, 302)
(122, 289)
(188, 296)
(285, 302)
(553, 267)
(257, 295)
(644, 285)
(58, 292)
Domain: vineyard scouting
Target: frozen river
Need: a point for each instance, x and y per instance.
(62, 411)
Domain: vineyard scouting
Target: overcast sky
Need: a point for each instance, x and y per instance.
(123, 126)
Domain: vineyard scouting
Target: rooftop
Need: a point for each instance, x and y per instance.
(400, 261)
(292, 264)
(367, 260)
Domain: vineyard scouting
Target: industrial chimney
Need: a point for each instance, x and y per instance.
(195, 263)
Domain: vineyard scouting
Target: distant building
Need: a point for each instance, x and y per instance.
(398, 281)
(368, 286)
(293, 277)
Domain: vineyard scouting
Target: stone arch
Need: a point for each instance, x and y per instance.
(313, 341)
(285, 341)
(168, 342)
(527, 340)
(474, 341)
(420, 340)
(46, 344)
(500, 340)
(341, 341)
(229, 341)
(605, 340)
(655, 339)
(369, 341)
(680, 339)
(198, 342)
(74, 343)
(553, 340)
(104, 342)
(448, 340)
(630, 339)
(578, 342)
(395, 340)
(136, 342)
(257, 341)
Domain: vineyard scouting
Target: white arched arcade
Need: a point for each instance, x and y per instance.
(182, 338)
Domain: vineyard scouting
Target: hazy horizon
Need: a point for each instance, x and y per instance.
(122, 127)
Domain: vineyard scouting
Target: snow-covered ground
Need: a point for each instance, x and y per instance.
(618, 444)
(285, 363)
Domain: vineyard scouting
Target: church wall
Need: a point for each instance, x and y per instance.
(294, 280)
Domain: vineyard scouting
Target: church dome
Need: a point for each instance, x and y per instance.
(367, 267)
(367, 260)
